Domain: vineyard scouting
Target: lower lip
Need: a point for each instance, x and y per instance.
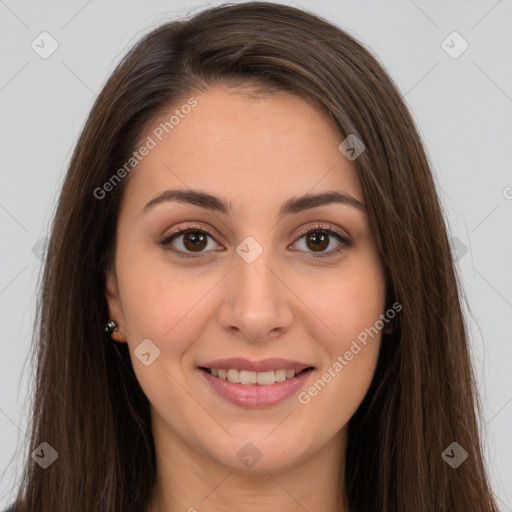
(255, 395)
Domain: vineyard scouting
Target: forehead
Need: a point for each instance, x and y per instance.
(244, 147)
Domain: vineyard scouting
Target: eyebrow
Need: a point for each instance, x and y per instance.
(292, 206)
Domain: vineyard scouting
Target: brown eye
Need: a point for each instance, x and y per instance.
(319, 238)
(187, 241)
(191, 242)
(317, 241)
(194, 241)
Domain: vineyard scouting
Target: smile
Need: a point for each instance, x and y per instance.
(255, 389)
(247, 378)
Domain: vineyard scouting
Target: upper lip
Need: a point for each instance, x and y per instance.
(265, 365)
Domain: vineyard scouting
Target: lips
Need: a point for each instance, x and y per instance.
(256, 395)
(257, 385)
(265, 365)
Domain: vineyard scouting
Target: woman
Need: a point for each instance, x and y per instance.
(249, 298)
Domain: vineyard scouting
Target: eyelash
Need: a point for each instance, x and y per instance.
(344, 243)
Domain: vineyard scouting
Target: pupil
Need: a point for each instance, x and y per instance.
(194, 240)
(318, 237)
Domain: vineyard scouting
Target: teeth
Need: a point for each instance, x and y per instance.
(233, 376)
(280, 375)
(265, 378)
(245, 377)
(248, 378)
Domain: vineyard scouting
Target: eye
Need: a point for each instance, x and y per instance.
(194, 240)
(319, 238)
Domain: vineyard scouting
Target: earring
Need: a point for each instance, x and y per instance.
(110, 327)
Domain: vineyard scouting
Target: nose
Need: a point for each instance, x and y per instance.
(256, 303)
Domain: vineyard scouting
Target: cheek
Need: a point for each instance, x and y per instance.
(162, 303)
(351, 354)
(155, 294)
(167, 306)
(347, 301)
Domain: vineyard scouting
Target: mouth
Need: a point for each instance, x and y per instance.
(250, 383)
(251, 378)
(255, 384)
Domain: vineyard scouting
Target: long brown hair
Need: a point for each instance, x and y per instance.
(88, 404)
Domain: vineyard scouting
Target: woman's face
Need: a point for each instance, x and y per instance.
(246, 282)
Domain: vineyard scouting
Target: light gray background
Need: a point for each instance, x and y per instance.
(462, 106)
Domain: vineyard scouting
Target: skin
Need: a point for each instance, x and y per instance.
(256, 152)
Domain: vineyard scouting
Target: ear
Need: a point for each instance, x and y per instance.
(115, 310)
